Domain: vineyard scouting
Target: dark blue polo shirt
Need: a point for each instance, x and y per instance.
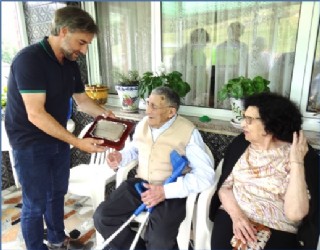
(35, 69)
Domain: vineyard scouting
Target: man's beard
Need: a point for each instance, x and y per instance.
(69, 55)
(68, 52)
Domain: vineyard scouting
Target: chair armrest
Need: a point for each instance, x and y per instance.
(122, 173)
(84, 130)
(186, 225)
(204, 225)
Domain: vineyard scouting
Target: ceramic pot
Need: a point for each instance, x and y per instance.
(129, 97)
(98, 93)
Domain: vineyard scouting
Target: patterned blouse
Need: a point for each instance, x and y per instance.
(259, 181)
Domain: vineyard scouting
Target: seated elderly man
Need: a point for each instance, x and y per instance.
(156, 135)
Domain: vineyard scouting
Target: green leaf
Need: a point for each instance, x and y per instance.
(241, 86)
(172, 80)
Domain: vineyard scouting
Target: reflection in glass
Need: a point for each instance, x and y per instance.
(314, 92)
(245, 39)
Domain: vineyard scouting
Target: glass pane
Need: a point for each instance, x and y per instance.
(11, 41)
(125, 38)
(314, 92)
(212, 42)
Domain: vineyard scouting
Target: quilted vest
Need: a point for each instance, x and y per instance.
(154, 157)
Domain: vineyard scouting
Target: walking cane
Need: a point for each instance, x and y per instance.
(178, 164)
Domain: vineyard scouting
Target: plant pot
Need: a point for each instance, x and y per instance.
(129, 98)
(237, 109)
(98, 93)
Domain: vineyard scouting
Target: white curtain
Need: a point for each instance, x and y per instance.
(212, 42)
(125, 38)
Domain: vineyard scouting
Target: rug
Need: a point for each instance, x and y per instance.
(78, 213)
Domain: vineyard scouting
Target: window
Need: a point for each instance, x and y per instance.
(124, 41)
(210, 43)
(12, 36)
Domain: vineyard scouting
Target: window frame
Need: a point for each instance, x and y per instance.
(22, 26)
(92, 58)
(311, 122)
(305, 48)
(21, 23)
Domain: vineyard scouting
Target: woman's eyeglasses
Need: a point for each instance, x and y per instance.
(249, 119)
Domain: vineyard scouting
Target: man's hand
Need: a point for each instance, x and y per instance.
(89, 106)
(91, 145)
(153, 195)
(108, 113)
(113, 159)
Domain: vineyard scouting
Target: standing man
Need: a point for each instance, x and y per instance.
(42, 79)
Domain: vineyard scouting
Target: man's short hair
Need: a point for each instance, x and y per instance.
(75, 19)
(172, 98)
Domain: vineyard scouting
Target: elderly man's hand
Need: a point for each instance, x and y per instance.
(113, 159)
(153, 195)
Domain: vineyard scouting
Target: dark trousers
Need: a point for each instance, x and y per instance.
(222, 233)
(163, 224)
(43, 171)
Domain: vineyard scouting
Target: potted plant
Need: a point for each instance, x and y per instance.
(4, 97)
(238, 88)
(128, 89)
(173, 80)
(3, 100)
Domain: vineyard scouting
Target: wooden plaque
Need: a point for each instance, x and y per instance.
(113, 131)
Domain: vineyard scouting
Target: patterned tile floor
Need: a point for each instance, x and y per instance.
(78, 215)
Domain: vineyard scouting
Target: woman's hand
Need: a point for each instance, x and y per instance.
(243, 229)
(296, 200)
(298, 150)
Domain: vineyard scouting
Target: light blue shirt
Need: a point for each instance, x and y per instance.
(202, 167)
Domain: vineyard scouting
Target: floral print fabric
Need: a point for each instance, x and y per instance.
(259, 181)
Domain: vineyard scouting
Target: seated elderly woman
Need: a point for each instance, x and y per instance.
(270, 180)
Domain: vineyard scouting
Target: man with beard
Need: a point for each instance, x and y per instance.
(43, 78)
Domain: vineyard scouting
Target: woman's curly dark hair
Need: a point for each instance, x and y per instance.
(280, 116)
